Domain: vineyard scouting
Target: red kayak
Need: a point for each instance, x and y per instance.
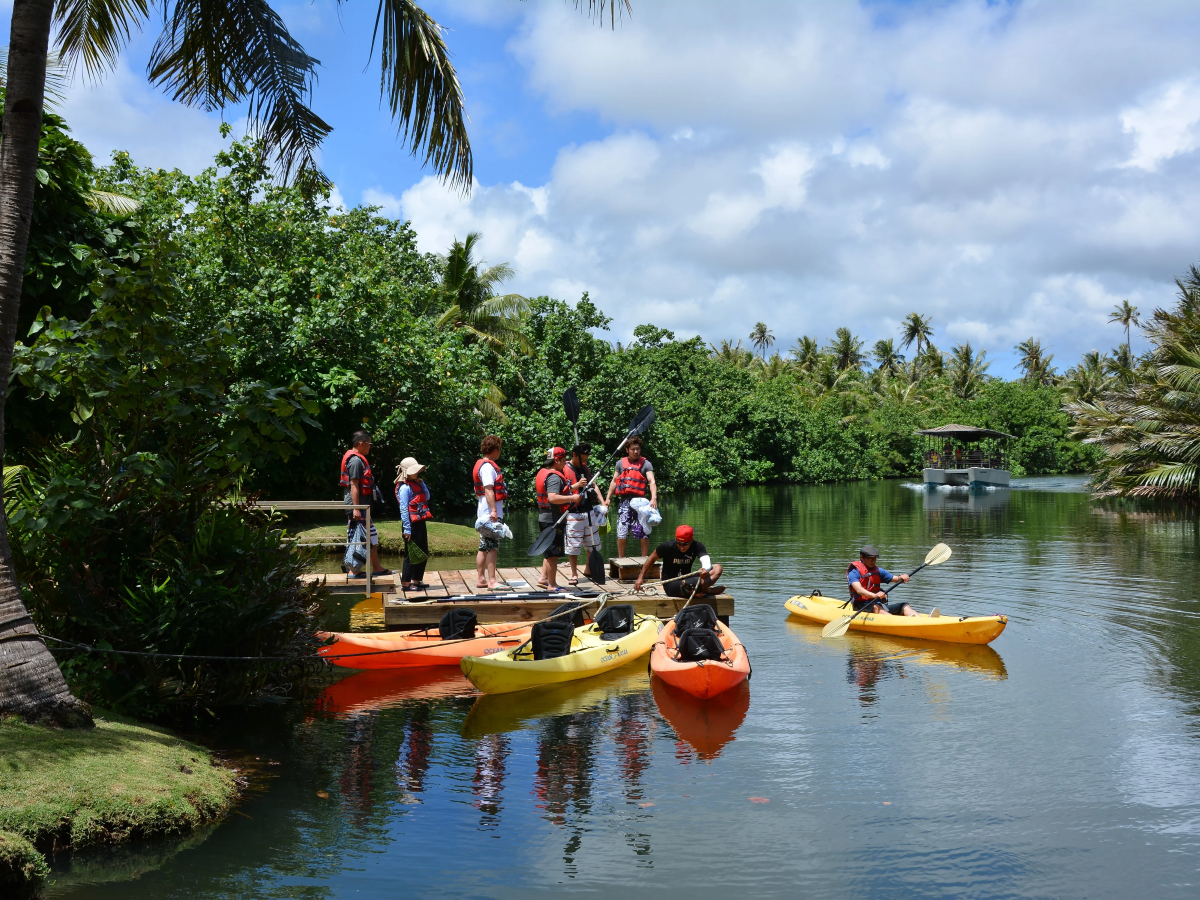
(459, 634)
(698, 654)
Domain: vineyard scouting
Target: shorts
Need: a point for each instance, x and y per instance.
(350, 533)
(555, 550)
(488, 544)
(896, 607)
(682, 588)
(582, 532)
(628, 523)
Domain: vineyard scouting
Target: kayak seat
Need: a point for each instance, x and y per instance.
(695, 615)
(560, 614)
(552, 639)
(458, 623)
(615, 621)
(699, 645)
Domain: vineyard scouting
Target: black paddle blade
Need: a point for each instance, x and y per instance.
(642, 420)
(542, 544)
(595, 566)
(571, 405)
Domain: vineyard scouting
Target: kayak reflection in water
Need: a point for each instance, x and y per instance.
(865, 577)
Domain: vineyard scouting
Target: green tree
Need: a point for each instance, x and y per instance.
(846, 350)
(916, 327)
(732, 353)
(1126, 315)
(467, 289)
(967, 370)
(887, 359)
(805, 353)
(1087, 381)
(762, 338)
(1035, 363)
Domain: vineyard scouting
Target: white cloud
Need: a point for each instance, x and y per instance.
(1166, 125)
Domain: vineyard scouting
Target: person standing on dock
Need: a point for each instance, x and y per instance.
(554, 496)
(359, 484)
(677, 558)
(865, 577)
(583, 518)
(490, 489)
(413, 496)
(633, 478)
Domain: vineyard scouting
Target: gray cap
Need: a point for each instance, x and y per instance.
(869, 550)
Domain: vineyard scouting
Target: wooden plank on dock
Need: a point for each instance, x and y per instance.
(510, 575)
(627, 568)
(530, 574)
(456, 583)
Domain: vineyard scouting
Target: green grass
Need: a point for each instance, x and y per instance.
(119, 781)
(444, 539)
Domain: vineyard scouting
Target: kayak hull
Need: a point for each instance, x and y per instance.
(956, 630)
(700, 679)
(517, 670)
(412, 649)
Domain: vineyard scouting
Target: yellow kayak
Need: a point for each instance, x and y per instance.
(591, 652)
(955, 629)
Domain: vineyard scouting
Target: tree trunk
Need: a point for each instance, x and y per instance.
(31, 684)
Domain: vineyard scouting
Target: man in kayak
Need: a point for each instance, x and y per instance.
(677, 558)
(865, 577)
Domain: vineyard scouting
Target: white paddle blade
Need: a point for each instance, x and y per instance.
(938, 555)
(837, 627)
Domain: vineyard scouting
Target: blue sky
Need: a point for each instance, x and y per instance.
(1014, 170)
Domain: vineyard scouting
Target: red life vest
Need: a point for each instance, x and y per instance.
(539, 484)
(418, 506)
(501, 490)
(631, 480)
(368, 479)
(868, 578)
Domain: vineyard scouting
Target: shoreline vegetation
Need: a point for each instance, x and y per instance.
(66, 789)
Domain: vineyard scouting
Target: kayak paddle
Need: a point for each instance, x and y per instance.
(571, 408)
(840, 626)
(640, 423)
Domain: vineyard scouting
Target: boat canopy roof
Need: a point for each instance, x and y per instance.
(964, 432)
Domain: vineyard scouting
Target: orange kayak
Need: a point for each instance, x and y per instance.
(406, 649)
(701, 678)
(707, 725)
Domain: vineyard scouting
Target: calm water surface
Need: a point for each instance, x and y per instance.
(1062, 761)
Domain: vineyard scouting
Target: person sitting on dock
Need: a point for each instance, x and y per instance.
(865, 577)
(554, 496)
(583, 522)
(633, 478)
(413, 496)
(360, 489)
(677, 558)
(490, 489)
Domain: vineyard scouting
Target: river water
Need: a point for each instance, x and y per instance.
(1062, 761)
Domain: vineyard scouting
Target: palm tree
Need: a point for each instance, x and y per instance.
(772, 368)
(762, 338)
(887, 360)
(1125, 315)
(1034, 364)
(805, 353)
(846, 350)
(1088, 381)
(929, 363)
(210, 54)
(915, 327)
(967, 371)
(732, 353)
(467, 290)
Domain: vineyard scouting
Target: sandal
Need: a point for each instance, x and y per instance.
(381, 573)
(573, 581)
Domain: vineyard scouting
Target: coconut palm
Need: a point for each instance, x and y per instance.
(931, 362)
(772, 368)
(1034, 363)
(468, 291)
(846, 350)
(762, 338)
(732, 353)
(1125, 315)
(805, 354)
(915, 327)
(212, 54)
(1088, 381)
(887, 360)
(967, 371)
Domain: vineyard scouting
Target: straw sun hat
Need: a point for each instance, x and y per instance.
(409, 468)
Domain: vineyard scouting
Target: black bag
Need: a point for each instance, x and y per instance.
(575, 617)
(699, 645)
(552, 639)
(458, 623)
(695, 615)
(615, 621)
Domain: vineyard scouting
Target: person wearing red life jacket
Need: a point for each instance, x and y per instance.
(359, 489)
(865, 577)
(634, 477)
(583, 518)
(412, 494)
(488, 480)
(555, 493)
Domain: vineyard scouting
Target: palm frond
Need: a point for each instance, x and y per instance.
(113, 204)
(595, 9)
(95, 31)
(58, 77)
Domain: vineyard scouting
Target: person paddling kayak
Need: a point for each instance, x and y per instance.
(677, 558)
(865, 577)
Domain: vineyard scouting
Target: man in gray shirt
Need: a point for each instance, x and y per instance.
(554, 495)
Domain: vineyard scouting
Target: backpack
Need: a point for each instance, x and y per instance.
(575, 617)
(615, 621)
(458, 623)
(696, 615)
(552, 639)
(699, 645)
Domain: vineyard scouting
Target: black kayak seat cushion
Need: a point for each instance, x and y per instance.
(700, 645)
(695, 615)
(552, 639)
(615, 621)
(575, 617)
(458, 623)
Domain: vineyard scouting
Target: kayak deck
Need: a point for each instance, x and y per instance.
(955, 629)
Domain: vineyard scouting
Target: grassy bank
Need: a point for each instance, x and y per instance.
(444, 539)
(119, 781)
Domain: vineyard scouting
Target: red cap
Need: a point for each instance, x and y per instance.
(684, 533)
(556, 453)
